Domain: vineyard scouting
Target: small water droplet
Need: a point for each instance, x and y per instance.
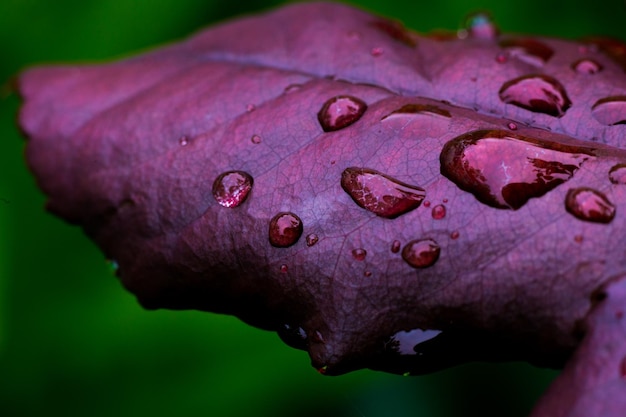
(617, 174)
(250, 108)
(404, 343)
(445, 200)
(427, 203)
(292, 88)
(537, 93)
(504, 169)
(527, 50)
(340, 111)
(428, 109)
(231, 188)
(480, 25)
(256, 139)
(377, 51)
(379, 193)
(311, 239)
(454, 235)
(284, 268)
(395, 246)
(395, 30)
(359, 254)
(285, 229)
(367, 273)
(318, 337)
(439, 212)
(293, 336)
(502, 57)
(183, 141)
(586, 66)
(610, 110)
(421, 253)
(578, 238)
(590, 205)
(512, 126)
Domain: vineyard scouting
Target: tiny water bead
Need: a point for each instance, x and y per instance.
(610, 110)
(183, 141)
(454, 235)
(617, 174)
(590, 205)
(284, 268)
(285, 229)
(395, 246)
(511, 126)
(231, 188)
(421, 253)
(404, 343)
(250, 108)
(379, 193)
(359, 254)
(311, 239)
(504, 169)
(428, 109)
(377, 51)
(340, 111)
(527, 50)
(586, 66)
(256, 139)
(502, 57)
(293, 336)
(480, 25)
(538, 93)
(438, 212)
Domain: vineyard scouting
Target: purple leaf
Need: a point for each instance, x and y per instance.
(379, 198)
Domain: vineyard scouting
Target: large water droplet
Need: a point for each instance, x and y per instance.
(359, 254)
(409, 109)
(610, 110)
(293, 336)
(379, 193)
(421, 253)
(404, 343)
(589, 204)
(285, 229)
(586, 66)
(340, 111)
(480, 25)
(527, 50)
(231, 188)
(538, 93)
(395, 30)
(504, 169)
(311, 239)
(617, 174)
(438, 212)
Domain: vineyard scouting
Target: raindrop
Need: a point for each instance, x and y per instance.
(610, 110)
(395, 246)
(504, 169)
(537, 93)
(250, 108)
(590, 205)
(480, 25)
(379, 193)
(586, 66)
(395, 30)
(256, 139)
(231, 188)
(183, 141)
(359, 254)
(293, 336)
(340, 111)
(427, 203)
(428, 109)
(285, 229)
(439, 212)
(404, 343)
(421, 253)
(454, 235)
(284, 268)
(377, 51)
(311, 239)
(512, 126)
(530, 51)
(617, 174)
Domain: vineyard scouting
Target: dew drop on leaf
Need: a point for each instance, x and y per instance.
(395, 246)
(256, 139)
(379, 193)
(311, 239)
(590, 205)
(293, 336)
(579, 238)
(377, 51)
(439, 212)
(502, 57)
(586, 66)
(367, 274)
(421, 253)
(527, 50)
(512, 126)
(284, 268)
(250, 108)
(480, 25)
(183, 141)
(617, 174)
(340, 111)
(285, 229)
(359, 254)
(538, 93)
(610, 110)
(292, 88)
(504, 169)
(231, 188)
(454, 235)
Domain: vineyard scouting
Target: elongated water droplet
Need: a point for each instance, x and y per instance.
(359, 254)
(293, 336)
(404, 343)
(311, 239)
(480, 25)
(421, 253)
(586, 66)
(590, 205)
(395, 30)
(504, 169)
(231, 188)
(256, 139)
(610, 110)
(527, 50)
(379, 193)
(395, 246)
(340, 111)
(439, 212)
(409, 109)
(285, 229)
(538, 93)
(617, 174)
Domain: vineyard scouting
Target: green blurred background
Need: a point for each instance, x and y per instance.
(74, 343)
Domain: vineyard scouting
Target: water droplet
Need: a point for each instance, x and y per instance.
(256, 139)
(311, 239)
(421, 253)
(527, 50)
(537, 93)
(504, 169)
(404, 343)
(502, 57)
(231, 188)
(293, 336)
(586, 66)
(480, 25)
(427, 203)
(610, 110)
(454, 235)
(395, 246)
(292, 88)
(512, 126)
(340, 111)
(428, 109)
(367, 273)
(250, 108)
(183, 141)
(359, 254)
(439, 212)
(284, 268)
(379, 193)
(617, 174)
(395, 30)
(445, 200)
(590, 205)
(578, 238)
(377, 51)
(285, 229)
